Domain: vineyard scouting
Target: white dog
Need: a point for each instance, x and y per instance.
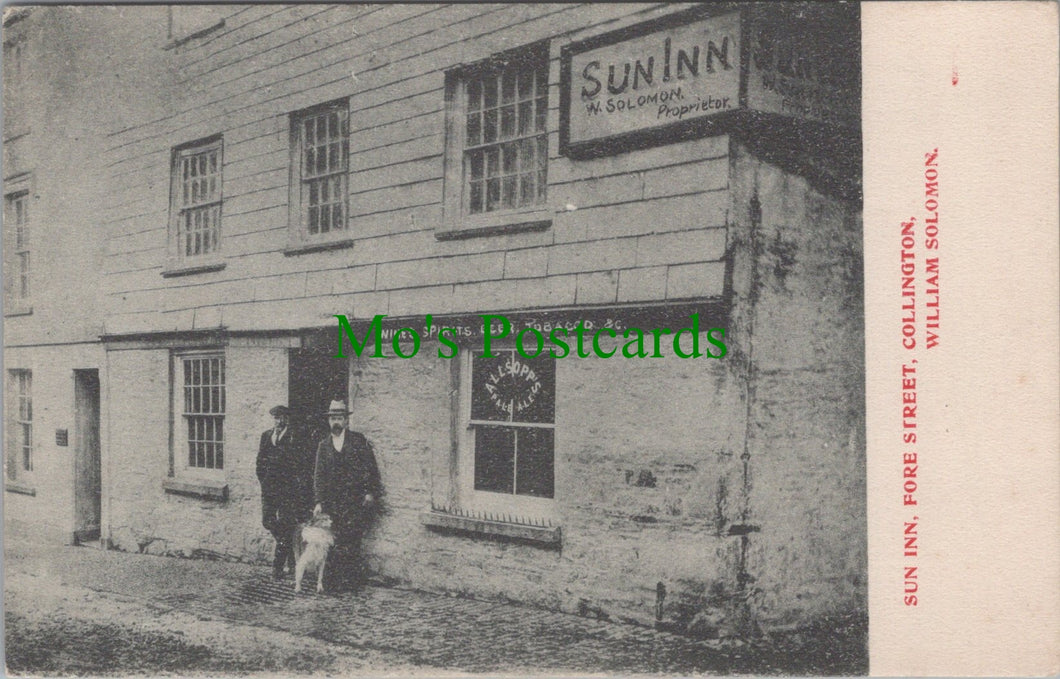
(311, 549)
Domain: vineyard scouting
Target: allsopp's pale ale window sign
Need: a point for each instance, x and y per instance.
(513, 414)
(649, 82)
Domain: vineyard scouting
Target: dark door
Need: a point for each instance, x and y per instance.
(315, 378)
(87, 473)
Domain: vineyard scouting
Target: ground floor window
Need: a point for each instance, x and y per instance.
(19, 423)
(507, 447)
(202, 403)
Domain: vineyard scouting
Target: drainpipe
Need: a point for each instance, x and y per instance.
(742, 603)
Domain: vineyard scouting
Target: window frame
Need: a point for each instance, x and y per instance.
(18, 465)
(179, 261)
(21, 248)
(15, 48)
(458, 221)
(518, 507)
(180, 466)
(299, 239)
(18, 247)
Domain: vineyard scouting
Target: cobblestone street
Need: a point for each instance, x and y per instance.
(84, 610)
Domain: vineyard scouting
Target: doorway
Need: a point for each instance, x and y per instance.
(87, 467)
(315, 378)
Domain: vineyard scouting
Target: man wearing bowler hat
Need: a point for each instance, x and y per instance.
(285, 471)
(347, 487)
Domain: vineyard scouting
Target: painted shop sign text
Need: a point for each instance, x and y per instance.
(651, 80)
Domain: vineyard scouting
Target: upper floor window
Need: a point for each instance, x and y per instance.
(195, 222)
(19, 424)
(18, 217)
(497, 143)
(17, 279)
(320, 149)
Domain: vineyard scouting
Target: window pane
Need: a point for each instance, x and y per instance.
(333, 157)
(474, 129)
(489, 124)
(475, 197)
(527, 191)
(508, 86)
(474, 95)
(322, 160)
(475, 165)
(23, 275)
(541, 113)
(536, 378)
(510, 158)
(534, 469)
(493, 160)
(494, 459)
(338, 187)
(526, 118)
(509, 387)
(526, 85)
(325, 220)
(493, 194)
(507, 122)
(490, 92)
(337, 219)
(489, 397)
(508, 189)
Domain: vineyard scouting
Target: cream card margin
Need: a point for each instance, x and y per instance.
(988, 565)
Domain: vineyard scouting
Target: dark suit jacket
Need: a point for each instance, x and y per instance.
(343, 479)
(285, 471)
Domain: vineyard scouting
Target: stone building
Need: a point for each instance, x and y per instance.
(610, 166)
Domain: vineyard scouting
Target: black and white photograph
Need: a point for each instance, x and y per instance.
(422, 339)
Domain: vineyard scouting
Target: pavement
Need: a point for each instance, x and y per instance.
(83, 610)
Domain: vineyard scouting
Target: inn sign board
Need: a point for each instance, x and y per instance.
(631, 83)
(705, 71)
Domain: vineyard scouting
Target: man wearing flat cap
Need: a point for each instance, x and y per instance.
(285, 470)
(347, 487)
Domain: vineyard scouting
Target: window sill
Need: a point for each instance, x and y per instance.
(208, 490)
(189, 269)
(543, 535)
(20, 488)
(304, 248)
(469, 226)
(16, 309)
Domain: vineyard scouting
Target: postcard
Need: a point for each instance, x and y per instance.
(531, 339)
